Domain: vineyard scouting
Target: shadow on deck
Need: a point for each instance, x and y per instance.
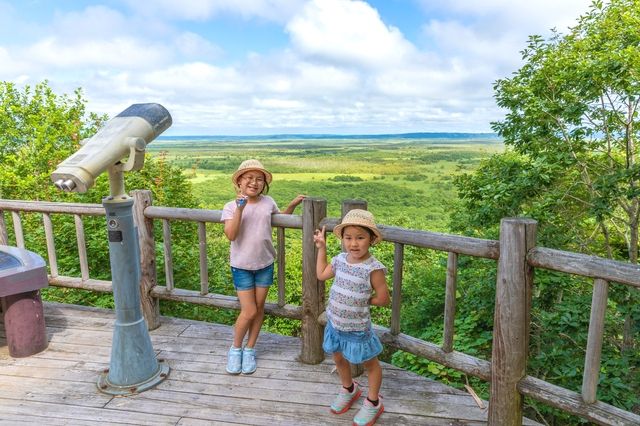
(58, 386)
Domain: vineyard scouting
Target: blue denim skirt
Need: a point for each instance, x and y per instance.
(356, 346)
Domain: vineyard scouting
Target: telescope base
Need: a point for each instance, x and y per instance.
(105, 386)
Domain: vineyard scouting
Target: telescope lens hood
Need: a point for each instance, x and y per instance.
(155, 114)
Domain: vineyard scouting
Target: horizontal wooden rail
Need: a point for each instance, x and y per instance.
(50, 207)
(214, 216)
(222, 301)
(477, 247)
(585, 265)
(74, 282)
(572, 402)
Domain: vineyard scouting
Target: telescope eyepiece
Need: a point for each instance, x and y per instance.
(68, 185)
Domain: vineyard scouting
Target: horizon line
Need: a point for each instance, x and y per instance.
(325, 135)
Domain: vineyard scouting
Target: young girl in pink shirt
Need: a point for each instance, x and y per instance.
(247, 224)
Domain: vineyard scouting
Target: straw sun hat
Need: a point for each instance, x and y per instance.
(357, 217)
(247, 166)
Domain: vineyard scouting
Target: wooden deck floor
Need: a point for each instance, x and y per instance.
(58, 386)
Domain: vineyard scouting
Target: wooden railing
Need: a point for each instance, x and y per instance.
(515, 253)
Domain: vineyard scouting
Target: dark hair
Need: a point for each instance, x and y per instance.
(372, 235)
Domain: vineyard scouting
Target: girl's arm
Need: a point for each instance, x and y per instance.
(379, 284)
(232, 226)
(324, 271)
(293, 204)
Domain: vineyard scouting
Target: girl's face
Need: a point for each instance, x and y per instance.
(356, 241)
(251, 183)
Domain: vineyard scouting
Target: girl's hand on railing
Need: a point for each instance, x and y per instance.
(319, 239)
(294, 203)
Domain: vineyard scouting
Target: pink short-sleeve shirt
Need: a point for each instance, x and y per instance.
(253, 247)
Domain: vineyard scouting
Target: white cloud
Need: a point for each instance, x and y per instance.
(347, 32)
(122, 52)
(199, 80)
(343, 68)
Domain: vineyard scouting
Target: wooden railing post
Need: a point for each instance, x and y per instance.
(314, 210)
(348, 205)
(148, 276)
(4, 240)
(511, 321)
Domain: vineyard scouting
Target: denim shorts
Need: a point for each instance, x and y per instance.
(355, 346)
(245, 279)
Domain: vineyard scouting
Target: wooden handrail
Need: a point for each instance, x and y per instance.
(585, 265)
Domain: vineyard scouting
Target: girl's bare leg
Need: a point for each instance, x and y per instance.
(256, 323)
(374, 371)
(344, 369)
(248, 311)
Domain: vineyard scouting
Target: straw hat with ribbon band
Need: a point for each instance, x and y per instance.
(247, 166)
(357, 217)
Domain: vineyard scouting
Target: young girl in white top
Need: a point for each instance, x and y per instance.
(359, 282)
(247, 224)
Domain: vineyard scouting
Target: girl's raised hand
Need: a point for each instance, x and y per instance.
(241, 201)
(319, 239)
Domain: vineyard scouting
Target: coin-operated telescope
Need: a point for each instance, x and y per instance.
(133, 367)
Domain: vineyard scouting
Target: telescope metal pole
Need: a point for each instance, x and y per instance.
(133, 367)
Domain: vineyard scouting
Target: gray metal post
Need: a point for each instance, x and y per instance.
(133, 367)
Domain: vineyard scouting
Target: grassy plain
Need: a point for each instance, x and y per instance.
(406, 182)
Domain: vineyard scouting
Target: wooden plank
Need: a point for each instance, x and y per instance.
(51, 246)
(434, 240)
(396, 296)
(591, 375)
(83, 394)
(52, 207)
(44, 419)
(511, 321)
(81, 415)
(82, 247)
(458, 360)
(450, 302)
(313, 290)
(17, 229)
(86, 284)
(221, 301)
(585, 265)
(281, 263)
(569, 401)
(204, 269)
(148, 262)
(315, 391)
(4, 238)
(214, 216)
(282, 390)
(168, 258)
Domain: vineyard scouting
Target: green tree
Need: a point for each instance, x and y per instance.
(38, 130)
(571, 130)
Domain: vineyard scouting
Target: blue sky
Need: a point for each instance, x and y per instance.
(245, 67)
